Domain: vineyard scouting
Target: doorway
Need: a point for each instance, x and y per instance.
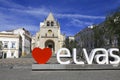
(50, 44)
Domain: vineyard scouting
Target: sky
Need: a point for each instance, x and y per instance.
(72, 15)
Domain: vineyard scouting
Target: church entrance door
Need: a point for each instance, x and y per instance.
(50, 44)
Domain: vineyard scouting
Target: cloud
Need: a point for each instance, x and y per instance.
(10, 4)
(75, 25)
(44, 11)
(31, 28)
(36, 12)
(67, 32)
(78, 23)
(79, 16)
(13, 15)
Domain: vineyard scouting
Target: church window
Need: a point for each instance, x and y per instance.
(48, 23)
(52, 23)
(49, 31)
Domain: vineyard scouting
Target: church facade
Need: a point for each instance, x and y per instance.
(49, 35)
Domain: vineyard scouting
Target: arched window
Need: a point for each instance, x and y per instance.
(49, 31)
(52, 23)
(48, 23)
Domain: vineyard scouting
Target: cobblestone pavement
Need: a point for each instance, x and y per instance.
(27, 74)
(7, 72)
(17, 61)
(9, 63)
(25, 61)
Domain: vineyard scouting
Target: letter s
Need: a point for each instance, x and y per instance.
(116, 57)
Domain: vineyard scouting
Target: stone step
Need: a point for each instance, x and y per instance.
(46, 67)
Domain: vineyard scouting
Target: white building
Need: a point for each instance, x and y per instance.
(50, 35)
(21, 39)
(26, 40)
(11, 45)
(33, 43)
(71, 38)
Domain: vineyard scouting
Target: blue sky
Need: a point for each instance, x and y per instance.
(73, 15)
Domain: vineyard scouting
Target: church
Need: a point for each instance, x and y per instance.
(49, 35)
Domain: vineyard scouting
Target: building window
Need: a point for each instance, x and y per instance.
(12, 53)
(1, 54)
(52, 23)
(48, 23)
(13, 45)
(4, 55)
(49, 31)
(6, 44)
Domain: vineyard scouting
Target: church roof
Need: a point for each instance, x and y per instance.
(50, 17)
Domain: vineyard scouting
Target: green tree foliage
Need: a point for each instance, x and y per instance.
(113, 24)
(98, 36)
(109, 29)
(70, 44)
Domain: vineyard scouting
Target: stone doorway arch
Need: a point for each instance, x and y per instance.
(50, 44)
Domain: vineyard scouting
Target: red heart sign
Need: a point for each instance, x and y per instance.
(41, 56)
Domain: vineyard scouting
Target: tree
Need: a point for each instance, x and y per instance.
(98, 36)
(70, 44)
(113, 24)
